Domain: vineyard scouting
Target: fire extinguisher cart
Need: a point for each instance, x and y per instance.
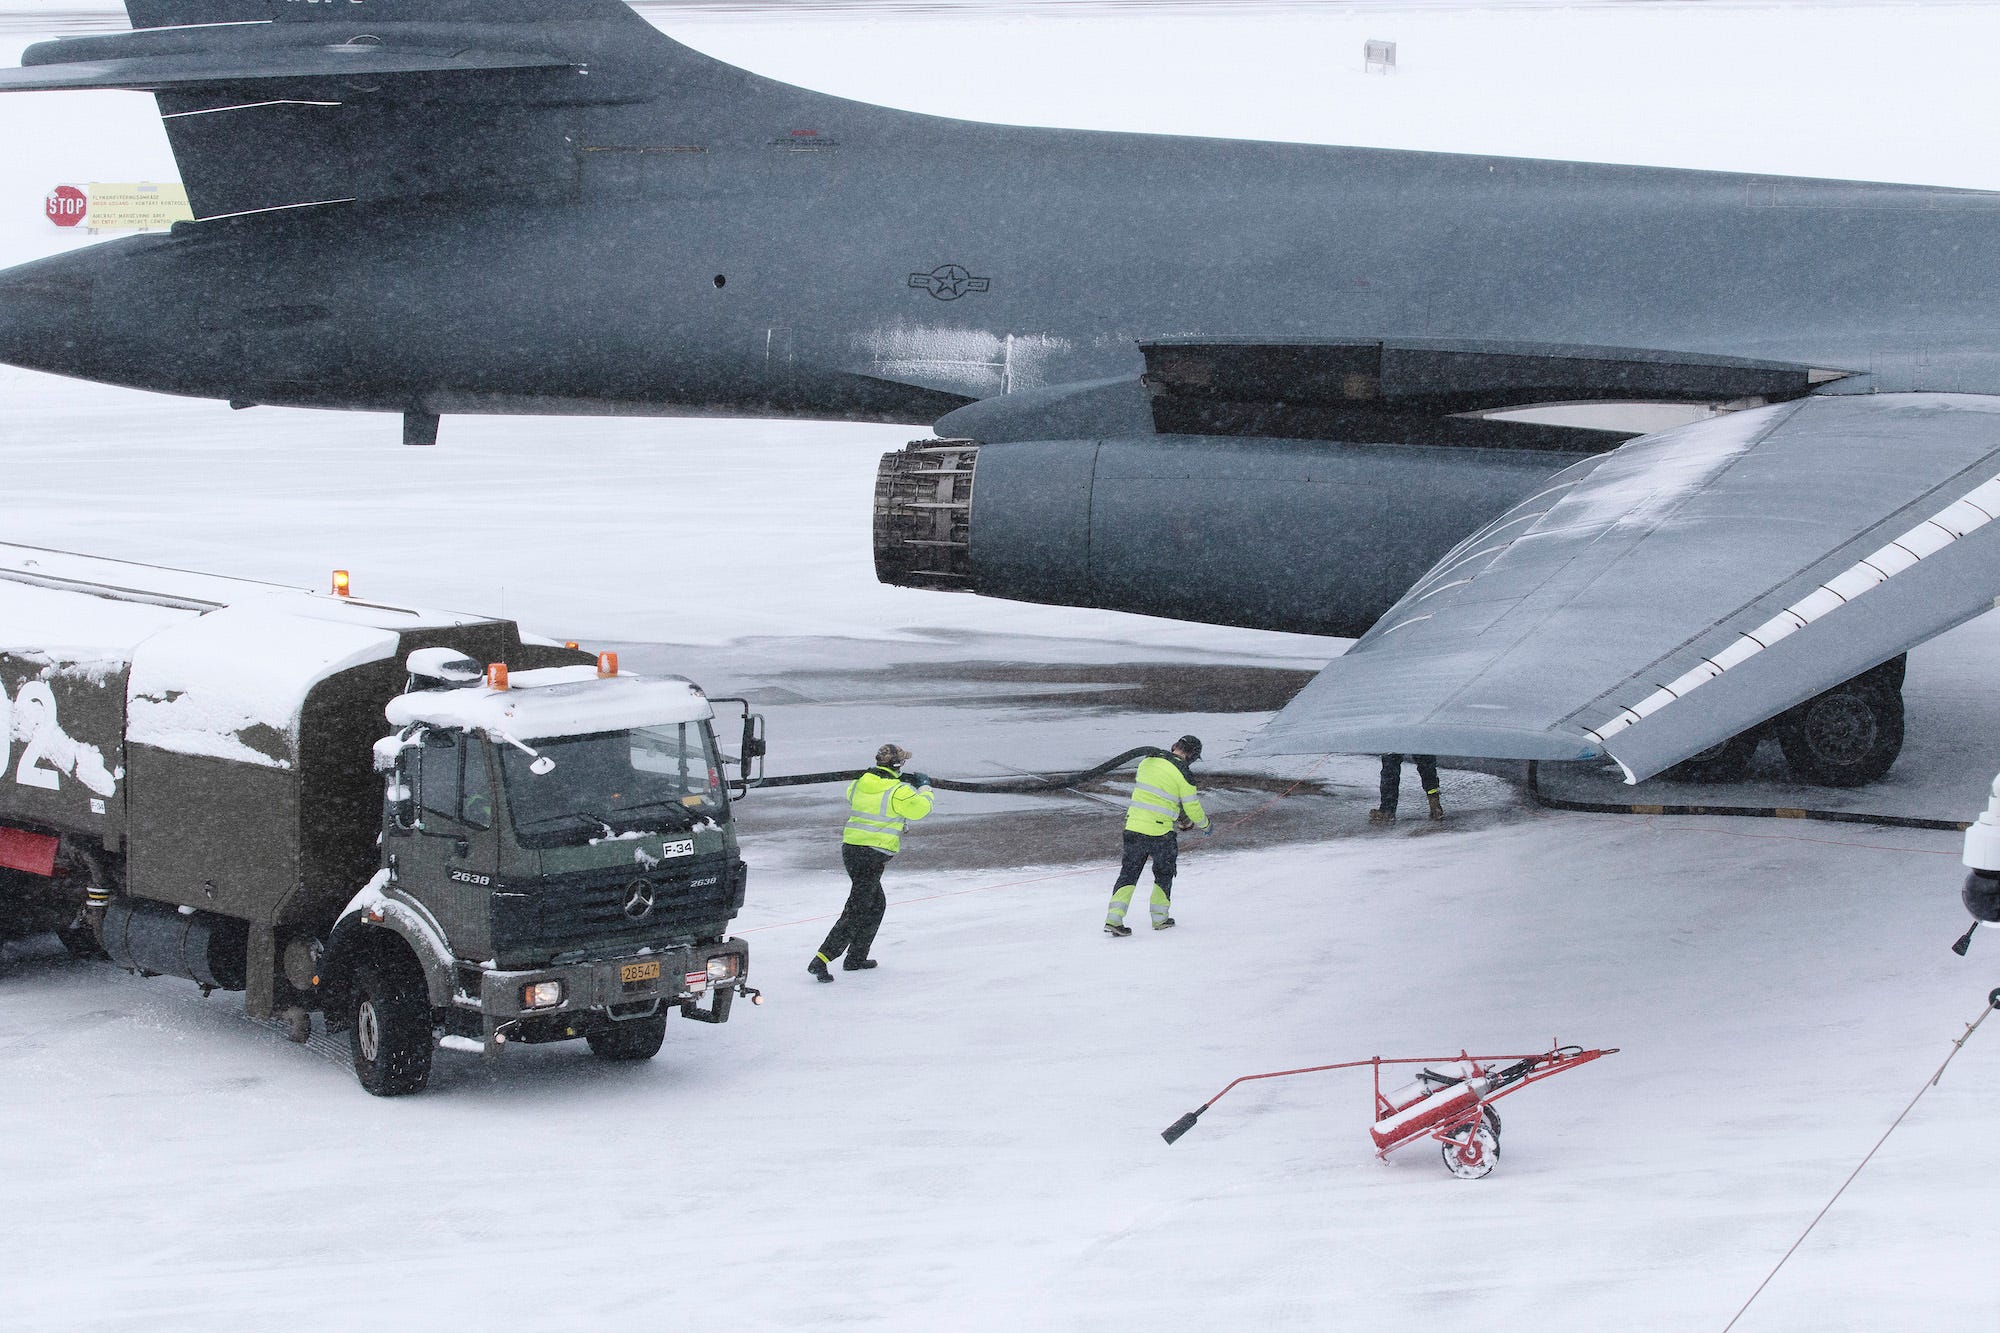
(1449, 1101)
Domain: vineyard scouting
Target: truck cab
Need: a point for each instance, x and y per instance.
(558, 862)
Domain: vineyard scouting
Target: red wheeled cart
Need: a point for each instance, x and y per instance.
(1450, 1100)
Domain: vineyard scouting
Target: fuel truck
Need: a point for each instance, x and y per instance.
(424, 826)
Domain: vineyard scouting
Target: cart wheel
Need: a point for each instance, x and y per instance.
(1472, 1153)
(1492, 1118)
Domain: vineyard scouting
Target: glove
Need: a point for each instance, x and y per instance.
(917, 779)
(1183, 824)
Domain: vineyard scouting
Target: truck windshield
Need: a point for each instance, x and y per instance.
(611, 782)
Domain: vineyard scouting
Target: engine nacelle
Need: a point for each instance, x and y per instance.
(1296, 535)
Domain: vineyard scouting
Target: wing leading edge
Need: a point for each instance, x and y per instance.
(326, 65)
(1656, 600)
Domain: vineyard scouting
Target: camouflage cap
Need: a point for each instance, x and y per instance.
(892, 756)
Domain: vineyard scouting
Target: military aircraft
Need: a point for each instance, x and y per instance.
(1257, 384)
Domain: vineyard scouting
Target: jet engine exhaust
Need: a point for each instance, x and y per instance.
(923, 511)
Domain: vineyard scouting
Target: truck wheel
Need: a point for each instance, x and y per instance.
(1848, 736)
(390, 1031)
(637, 1040)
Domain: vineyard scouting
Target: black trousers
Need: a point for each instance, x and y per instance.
(854, 933)
(1163, 848)
(1392, 776)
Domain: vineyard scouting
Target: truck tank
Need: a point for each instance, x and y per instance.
(199, 743)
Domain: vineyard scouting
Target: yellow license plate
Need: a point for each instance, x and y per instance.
(639, 972)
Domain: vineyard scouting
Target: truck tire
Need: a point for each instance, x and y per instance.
(390, 1030)
(1848, 736)
(637, 1040)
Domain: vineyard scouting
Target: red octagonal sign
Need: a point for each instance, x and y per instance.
(66, 205)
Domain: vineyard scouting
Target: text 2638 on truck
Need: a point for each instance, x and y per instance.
(422, 825)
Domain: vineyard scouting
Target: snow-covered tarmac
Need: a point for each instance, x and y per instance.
(967, 1138)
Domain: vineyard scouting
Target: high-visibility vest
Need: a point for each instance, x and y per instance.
(880, 804)
(1163, 793)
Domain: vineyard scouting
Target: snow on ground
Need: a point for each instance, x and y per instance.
(967, 1138)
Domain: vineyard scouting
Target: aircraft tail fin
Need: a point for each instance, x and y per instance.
(277, 103)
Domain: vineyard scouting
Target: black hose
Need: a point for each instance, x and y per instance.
(995, 785)
(1547, 802)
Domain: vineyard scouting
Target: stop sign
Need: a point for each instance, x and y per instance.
(66, 205)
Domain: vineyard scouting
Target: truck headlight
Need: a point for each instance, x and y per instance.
(724, 967)
(541, 994)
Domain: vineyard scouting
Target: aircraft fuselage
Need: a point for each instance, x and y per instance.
(917, 264)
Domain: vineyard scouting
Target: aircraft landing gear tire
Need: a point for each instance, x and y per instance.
(390, 1029)
(1473, 1152)
(1848, 736)
(1727, 762)
(638, 1039)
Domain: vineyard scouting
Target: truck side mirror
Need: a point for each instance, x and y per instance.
(749, 750)
(402, 800)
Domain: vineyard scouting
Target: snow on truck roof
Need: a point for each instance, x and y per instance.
(555, 701)
(108, 607)
(219, 666)
(57, 626)
(230, 684)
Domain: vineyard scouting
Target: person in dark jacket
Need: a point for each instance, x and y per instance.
(1392, 782)
(881, 803)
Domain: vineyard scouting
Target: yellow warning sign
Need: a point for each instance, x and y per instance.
(135, 206)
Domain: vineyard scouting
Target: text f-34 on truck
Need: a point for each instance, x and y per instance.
(195, 778)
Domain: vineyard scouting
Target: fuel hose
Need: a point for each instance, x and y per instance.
(995, 785)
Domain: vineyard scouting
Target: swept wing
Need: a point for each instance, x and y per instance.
(1660, 598)
(329, 64)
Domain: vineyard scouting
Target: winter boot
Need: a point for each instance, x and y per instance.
(1116, 931)
(1437, 806)
(1165, 923)
(818, 968)
(857, 964)
(1381, 816)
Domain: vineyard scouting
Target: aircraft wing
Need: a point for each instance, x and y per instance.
(1658, 599)
(191, 71)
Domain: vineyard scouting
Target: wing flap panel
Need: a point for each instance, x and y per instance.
(1660, 599)
(1460, 375)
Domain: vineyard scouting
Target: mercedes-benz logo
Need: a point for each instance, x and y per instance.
(638, 899)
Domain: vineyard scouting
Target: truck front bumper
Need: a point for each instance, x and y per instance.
(572, 999)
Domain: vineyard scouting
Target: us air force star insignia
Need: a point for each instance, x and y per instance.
(948, 282)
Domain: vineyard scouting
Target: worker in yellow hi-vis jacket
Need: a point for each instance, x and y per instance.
(880, 804)
(1163, 802)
